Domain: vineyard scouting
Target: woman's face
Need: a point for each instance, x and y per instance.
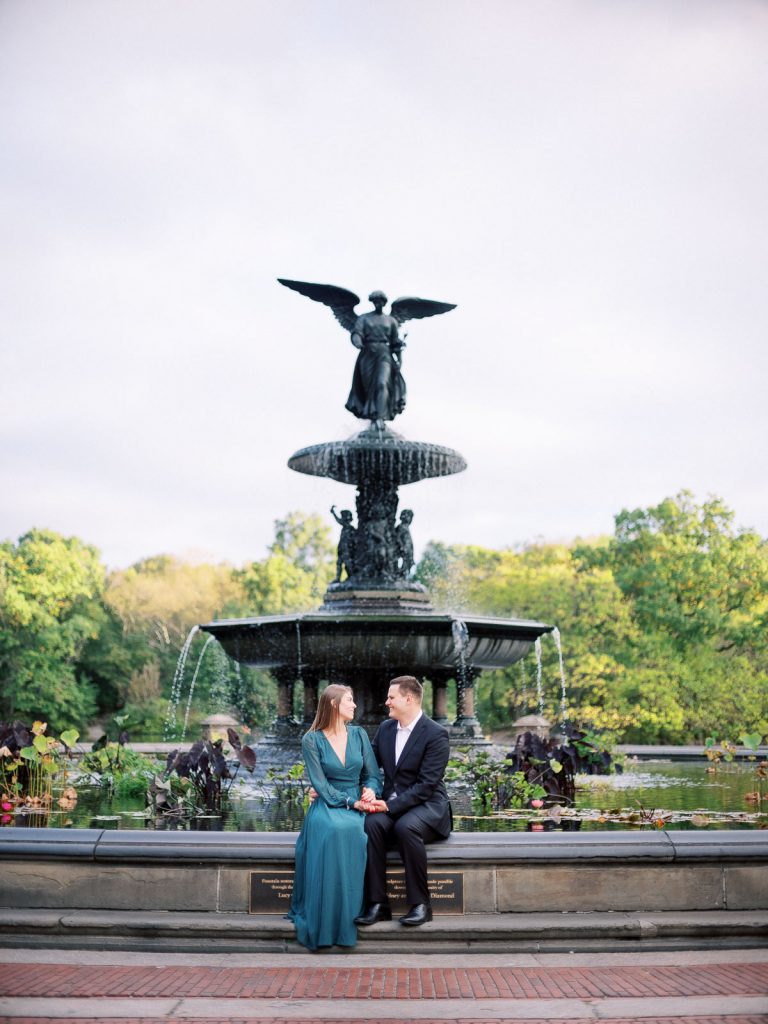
(347, 708)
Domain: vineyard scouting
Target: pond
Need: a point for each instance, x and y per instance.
(648, 795)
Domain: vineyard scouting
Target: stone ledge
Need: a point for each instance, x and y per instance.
(499, 847)
(203, 932)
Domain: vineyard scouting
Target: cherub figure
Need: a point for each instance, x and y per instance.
(404, 541)
(345, 552)
(378, 388)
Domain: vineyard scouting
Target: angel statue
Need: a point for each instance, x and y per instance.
(378, 388)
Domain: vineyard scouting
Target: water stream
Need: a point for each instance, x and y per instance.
(178, 676)
(192, 686)
(539, 684)
(563, 688)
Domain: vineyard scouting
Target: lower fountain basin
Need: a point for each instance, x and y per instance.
(365, 650)
(415, 644)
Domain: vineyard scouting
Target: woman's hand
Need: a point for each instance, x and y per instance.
(367, 795)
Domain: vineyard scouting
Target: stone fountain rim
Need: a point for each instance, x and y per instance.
(339, 618)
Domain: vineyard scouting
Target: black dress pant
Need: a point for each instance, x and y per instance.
(409, 834)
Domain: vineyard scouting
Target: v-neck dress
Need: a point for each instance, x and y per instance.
(331, 849)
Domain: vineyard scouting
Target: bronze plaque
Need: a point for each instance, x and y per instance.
(270, 891)
(446, 891)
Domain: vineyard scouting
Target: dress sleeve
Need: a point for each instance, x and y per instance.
(370, 775)
(327, 793)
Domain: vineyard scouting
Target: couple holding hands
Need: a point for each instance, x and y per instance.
(368, 798)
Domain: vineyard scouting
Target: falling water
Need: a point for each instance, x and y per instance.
(192, 686)
(523, 686)
(563, 703)
(460, 635)
(539, 686)
(178, 676)
(298, 649)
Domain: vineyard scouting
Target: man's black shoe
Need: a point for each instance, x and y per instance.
(375, 912)
(418, 914)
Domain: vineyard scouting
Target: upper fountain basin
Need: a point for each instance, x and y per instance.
(377, 453)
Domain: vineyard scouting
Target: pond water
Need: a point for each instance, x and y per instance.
(648, 795)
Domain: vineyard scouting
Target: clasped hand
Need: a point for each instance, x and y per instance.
(367, 803)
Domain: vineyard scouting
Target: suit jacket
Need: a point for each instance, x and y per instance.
(417, 778)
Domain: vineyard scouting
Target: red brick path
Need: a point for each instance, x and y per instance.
(82, 981)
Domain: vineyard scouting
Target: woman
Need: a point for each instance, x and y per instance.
(331, 848)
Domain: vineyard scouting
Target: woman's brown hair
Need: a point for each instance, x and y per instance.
(328, 706)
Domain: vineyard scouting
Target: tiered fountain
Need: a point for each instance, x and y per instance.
(376, 621)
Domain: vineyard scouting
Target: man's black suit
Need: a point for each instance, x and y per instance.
(419, 812)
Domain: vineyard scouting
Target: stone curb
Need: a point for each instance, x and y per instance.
(475, 933)
(392, 1009)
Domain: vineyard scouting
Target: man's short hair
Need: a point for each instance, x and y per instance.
(409, 684)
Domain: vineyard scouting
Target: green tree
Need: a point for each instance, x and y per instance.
(690, 573)
(49, 586)
(297, 571)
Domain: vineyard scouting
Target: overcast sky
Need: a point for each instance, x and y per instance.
(586, 180)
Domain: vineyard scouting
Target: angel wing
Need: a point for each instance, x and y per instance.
(341, 302)
(410, 308)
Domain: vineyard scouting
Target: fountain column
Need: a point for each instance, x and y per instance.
(465, 702)
(311, 682)
(286, 682)
(439, 682)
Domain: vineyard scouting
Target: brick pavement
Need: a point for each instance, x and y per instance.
(87, 987)
(343, 982)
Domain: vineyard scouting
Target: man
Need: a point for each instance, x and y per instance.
(413, 753)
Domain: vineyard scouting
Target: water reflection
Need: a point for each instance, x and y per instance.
(647, 795)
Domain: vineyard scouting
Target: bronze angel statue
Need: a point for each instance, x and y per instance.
(378, 388)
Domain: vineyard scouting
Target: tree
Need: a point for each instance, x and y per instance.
(48, 588)
(296, 573)
(690, 573)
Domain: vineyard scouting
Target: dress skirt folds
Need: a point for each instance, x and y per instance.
(331, 848)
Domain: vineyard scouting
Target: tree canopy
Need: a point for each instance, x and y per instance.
(663, 624)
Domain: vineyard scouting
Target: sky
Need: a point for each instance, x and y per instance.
(585, 180)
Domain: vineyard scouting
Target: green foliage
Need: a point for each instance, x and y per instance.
(689, 573)
(290, 784)
(494, 785)
(30, 760)
(119, 770)
(663, 625)
(297, 571)
(49, 587)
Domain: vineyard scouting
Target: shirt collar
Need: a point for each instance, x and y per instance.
(409, 727)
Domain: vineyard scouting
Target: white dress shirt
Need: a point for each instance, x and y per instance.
(401, 737)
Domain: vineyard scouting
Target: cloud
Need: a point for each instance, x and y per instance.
(585, 180)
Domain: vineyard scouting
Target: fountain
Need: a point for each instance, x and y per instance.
(376, 621)
(139, 889)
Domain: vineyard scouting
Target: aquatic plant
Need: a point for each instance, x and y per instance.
(494, 784)
(30, 761)
(198, 779)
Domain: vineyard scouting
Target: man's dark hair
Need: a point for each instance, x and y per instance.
(409, 684)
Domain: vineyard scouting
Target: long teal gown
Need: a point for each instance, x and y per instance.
(331, 848)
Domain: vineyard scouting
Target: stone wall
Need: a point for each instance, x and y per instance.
(502, 873)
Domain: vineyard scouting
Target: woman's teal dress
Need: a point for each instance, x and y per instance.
(331, 848)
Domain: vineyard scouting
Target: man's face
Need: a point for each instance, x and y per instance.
(400, 704)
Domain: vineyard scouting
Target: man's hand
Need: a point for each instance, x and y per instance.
(378, 805)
